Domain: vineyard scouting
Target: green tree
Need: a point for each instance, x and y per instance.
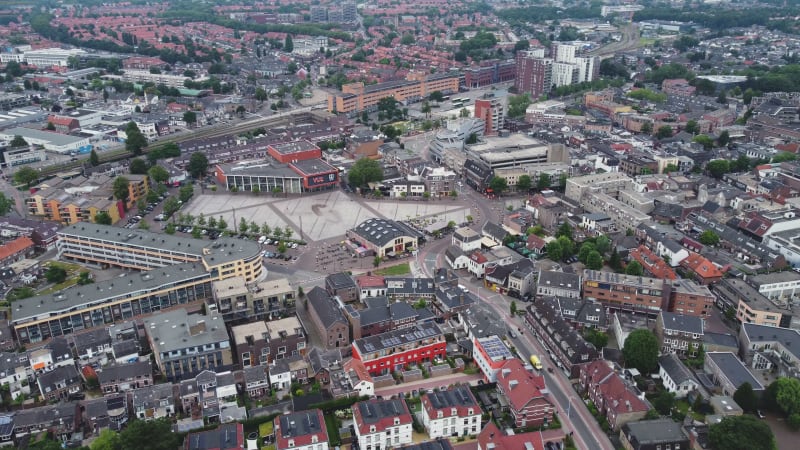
(553, 250)
(567, 246)
(634, 268)
(5, 204)
(586, 248)
(158, 174)
(597, 338)
(524, 183)
(266, 230)
(705, 140)
(120, 188)
(641, 351)
(190, 117)
(365, 171)
(222, 224)
(137, 166)
(614, 261)
(152, 435)
(26, 175)
(108, 440)
(198, 165)
(787, 395)
(594, 260)
(692, 127)
(544, 182)
(171, 206)
(746, 398)
(197, 233)
(498, 185)
(254, 228)
(102, 218)
(376, 262)
(185, 192)
(671, 168)
(647, 128)
(783, 157)
(709, 237)
(723, 138)
(664, 402)
(18, 141)
(243, 226)
(513, 308)
(94, 159)
(50, 126)
(517, 105)
(565, 230)
(741, 433)
(288, 44)
(143, 225)
(135, 141)
(664, 131)
(603, 244)
(85, 278)
(170, 228)
(718, 167)
(261, 95)
(55, 274)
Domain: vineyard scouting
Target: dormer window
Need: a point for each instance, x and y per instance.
(291, 442)
(314, 439)
(453, 412)
(471, 411)
(372, 428)
(397, 421)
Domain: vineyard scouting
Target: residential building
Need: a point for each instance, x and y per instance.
(371, 286)
(653, 435)
(691, 299)
(701, 269)
(237, 300)
(652, 264)
(125, 377)
(679, 334)
(752, 307)
(343, 286)
(382, 424)
(550, 283)
(675, 376)
(451, 412)
(780, 286)
(492, 438)
(618, 402)
(380, 316)
(534, 73)
(394, 350)
(328, 318)
(490, 353)
(16, 250)
(229, 436)
(357, 97)
(153, 402)
(770, 348)
(60, 419)
(15, 373)
(301, 430)
(626, 292)
(526, 393)
(59, 383)
(256, 381)
(385, 237)
(567, 347)
(283, 372)
(466, 239)
(108, 412)
(185, 344)
(492, 112)
(729, 373)
(259, 343)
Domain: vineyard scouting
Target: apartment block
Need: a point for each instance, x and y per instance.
(382, 424)
(627, 292)
(451, 412)
(358, 97)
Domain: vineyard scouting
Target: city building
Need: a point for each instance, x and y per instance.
(301, 430)
(342, 285)
(490, 354)
(16, 250)
(186, 344)
(701, 269)
(294, 177)
(534, 73)
(108, 412)
(728, 373)
(675, 376)
(492, 112)
(261, 343)
(385, 237)
(626, 292)
(492, 438)
(550, 283)
(382, 424)
(153, 402)
(653, 435)
(229, 436)
(451, 412)
(691, 299)
(395, 350)
(566, 346)
(770, 348)
(328, 318)
(753, 307)
(60, 383)
(679, 334)
(357, 97)
(63, 144)
(237, 300)
(526, 395)
(618, 402)
(489, 73)
(116, 378)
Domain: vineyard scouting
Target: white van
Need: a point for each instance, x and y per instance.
(262, 239)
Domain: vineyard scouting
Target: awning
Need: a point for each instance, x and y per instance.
(488, 242)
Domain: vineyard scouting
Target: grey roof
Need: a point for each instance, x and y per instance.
(151, 396)
(9, 362)
(381, 312)
(90, 339)
(53, 137)
(255, 374)
(495, 231)
(679, 322)
(213, 252)
(451, 398)
(60, 376)
(727, 340)
(374, 411)
(325, 307)
(43, 306)
(773, 277)
(120, 372)
(389, 339)
(382, 231)
(734, 370)
(453, 253)
(561, 280)
(123, 348)
(340, 280)
(789, 338)
(225, 437)
(177, 330)
(671, 245)
(301, 423)
(654, 431)
(409, 286)
(47, 415)
(483, 322)
(453, 296)
(467, 234)
(441, 444)
(320, 359)
(675, 368)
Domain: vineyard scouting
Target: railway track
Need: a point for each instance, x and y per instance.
(218, 131)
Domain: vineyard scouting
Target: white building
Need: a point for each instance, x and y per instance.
(53, 142)
(675, 376)
(453, 412)
(46, 57)
(382, 424)
(23, 155)
(490, 353)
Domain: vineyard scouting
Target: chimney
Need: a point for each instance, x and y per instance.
(512, 384)
(506, 372)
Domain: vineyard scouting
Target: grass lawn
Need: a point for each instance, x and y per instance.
(399, 269)
(646, 41)
(69, 267)
(683, 406)
(67, 283)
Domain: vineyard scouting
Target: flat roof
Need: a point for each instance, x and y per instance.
(240, 332)
(54, 138)
(213, 252)
(177, 329)
(79, 297)
(513, 154)
(495, 348)
(314, 166)
(389, 339)
(288, 148)
(264, 168)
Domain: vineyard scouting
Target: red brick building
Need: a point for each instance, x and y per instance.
(613, 398)
(394, 350)
(288, 152)
(523, 390)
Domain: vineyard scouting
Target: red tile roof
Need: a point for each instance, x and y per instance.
(652, 263)
(519, 441)
(701, 266)
(370, 281)
(16, 246)
(381, 415)
(520, 386)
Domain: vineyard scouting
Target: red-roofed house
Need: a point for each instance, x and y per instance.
(536, 244)
(64, 124)
(527, 403)
(652, 264)
(360, 379)
(477, 263)
(704, 271)
(16, 250)
(609, 393)
(371, 286)
(491, 438)
(301, 430)
(382, 424)
(453, 412)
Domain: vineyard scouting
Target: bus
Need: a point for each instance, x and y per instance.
(536, 363)
(457, 103)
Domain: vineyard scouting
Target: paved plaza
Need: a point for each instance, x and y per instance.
(321, 216)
